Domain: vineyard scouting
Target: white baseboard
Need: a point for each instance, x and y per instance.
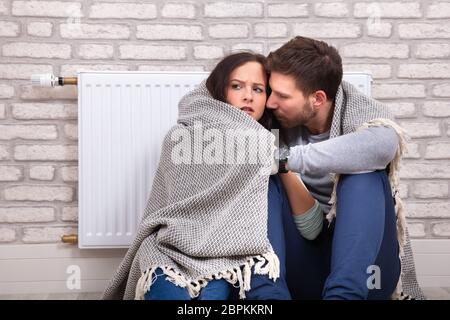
(43, 268)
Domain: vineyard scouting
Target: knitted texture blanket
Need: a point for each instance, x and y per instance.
(355, 111)
(206, 216)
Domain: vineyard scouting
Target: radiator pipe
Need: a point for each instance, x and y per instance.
(70, 238)
(49, 80)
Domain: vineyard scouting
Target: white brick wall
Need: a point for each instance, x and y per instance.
(405, 44)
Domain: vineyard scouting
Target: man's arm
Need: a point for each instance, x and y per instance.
(366, 150)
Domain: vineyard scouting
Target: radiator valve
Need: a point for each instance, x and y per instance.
(49, 80)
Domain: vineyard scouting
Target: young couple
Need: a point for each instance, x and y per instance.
(329, 225)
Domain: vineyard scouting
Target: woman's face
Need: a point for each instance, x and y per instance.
(246, 89)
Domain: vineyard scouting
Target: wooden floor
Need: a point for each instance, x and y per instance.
(439, 293)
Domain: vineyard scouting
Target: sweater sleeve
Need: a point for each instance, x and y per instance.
(362, 151)
(310, 223)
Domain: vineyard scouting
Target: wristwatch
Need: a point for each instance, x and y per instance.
(283, 154)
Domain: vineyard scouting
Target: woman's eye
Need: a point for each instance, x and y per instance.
(235, 86)
(259, 90)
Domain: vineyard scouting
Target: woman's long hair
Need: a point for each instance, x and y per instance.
(217, 81)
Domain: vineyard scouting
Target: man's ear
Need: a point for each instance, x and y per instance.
(319, 98)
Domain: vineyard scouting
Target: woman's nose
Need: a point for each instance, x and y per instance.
(248, 95)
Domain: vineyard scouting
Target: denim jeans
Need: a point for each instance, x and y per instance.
(162, 289)
(350, 255)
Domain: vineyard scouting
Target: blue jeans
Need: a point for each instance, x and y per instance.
(162, 289)
(340, 262)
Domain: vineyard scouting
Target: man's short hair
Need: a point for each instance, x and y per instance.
(314, 64)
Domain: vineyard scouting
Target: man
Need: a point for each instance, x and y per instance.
(345, 147)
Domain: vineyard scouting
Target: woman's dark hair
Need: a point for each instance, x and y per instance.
(217, 81)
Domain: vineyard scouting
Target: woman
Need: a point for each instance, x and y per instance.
(204, 230)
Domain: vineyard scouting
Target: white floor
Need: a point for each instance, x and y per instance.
(439, 293)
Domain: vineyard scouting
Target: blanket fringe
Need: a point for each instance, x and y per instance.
(239, 277)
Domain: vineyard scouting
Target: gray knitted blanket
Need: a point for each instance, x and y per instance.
(206, 216)
(355, 111)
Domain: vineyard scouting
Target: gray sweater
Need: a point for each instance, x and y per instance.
(314, 157)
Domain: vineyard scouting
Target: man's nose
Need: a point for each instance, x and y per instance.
(271, 102)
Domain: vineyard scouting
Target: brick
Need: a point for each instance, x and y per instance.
(424, 70)
(95, 51)
(4, 152)
(378, 71)
(169, 32)
(421, 129)
(398, 9)
(208, 52)
(424, 30)
(56, 93)
(441, 229)
(6, 92)
(425, 190)
(437, 150)
(95, 31)
(45, 173)
(3, 7)
(412, 151)
(46, 9)
(69, 214)
(11, 173)
(441, 90)
(436, 108)
(428, 209)
(425, 170)
(375, 50)
(152, 52)
(71, 131)
(2, 111)
(32, 132)
(233, 9)
(403, 190)
(170, 68)
(69, 174)
(379, 30)
(9, 29)
(416, 229)
(122, 11)
(69, 70)
(270, 30)
(7, 234)
(46, 152)
(46, 234)
(22, 71)
(27, 214)
(402, 109)
(394, 91)
(254, 47)
(39, 193)
(287, 10)
(224, 31)
(178, 10)
(332, 10)
(438, 10)
(328, 30)
(40, 29)
(432, 50)
(25, 111)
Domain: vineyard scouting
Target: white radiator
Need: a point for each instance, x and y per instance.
(122, 119)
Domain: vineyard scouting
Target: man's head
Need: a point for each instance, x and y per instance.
(304, 77)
